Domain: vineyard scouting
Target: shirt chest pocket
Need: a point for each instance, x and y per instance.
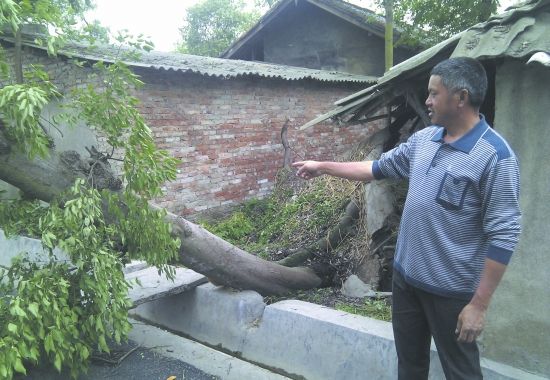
(452, 191)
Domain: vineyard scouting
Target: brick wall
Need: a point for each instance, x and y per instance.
(225, 131)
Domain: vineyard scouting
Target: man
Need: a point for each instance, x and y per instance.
(459, 227)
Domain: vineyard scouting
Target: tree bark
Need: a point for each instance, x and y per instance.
(225, 264)
(18, 65)
(220, 261)
(284, 140)
(388, 35)
(45, 178)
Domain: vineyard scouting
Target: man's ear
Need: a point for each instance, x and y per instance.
(463, 96)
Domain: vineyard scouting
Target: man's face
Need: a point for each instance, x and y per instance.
(442, 105)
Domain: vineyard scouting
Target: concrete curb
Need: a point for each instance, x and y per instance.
(204, 358)
(153, 285)
(300, 339)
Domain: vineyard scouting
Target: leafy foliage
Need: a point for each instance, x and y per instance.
(430, 21)
(62, 307)
(212, 25)
(22, 106)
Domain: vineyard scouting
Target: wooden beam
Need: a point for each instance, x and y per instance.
(372, 106)
(354, 96)
(337, 111)
(412, 99)
(364, 121)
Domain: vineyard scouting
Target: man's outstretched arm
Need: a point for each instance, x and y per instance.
(355, 171)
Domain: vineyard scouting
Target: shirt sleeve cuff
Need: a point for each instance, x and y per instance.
(498, 254)
(376, 172)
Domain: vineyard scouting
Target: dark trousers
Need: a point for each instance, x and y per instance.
(417, 316)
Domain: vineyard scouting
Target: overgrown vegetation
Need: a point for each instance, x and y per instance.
(289, 218)
(298, 213)
(378, 308)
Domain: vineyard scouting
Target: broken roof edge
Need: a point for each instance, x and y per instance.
(205, 66)
(336, 111)
(451, 47)
(395, 72)
(420, 59)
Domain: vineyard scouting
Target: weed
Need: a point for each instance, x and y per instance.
(374, 308)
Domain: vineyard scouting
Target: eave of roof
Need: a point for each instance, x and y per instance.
(207, 66)
(349, 12)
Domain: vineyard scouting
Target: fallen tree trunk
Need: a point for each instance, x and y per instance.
(225, 264)
(220, 261)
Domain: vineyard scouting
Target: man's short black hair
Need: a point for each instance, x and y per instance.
(462, 73)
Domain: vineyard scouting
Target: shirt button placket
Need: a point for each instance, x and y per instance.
(434, 159)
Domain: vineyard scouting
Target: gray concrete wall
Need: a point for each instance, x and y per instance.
(31, 248)
(314, 38)
(76, 138)
(518, 328)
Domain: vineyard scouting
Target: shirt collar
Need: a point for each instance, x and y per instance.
(467, 142)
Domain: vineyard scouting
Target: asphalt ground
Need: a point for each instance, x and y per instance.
(140, 363)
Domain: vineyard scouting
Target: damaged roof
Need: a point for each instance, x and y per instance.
(522, 31)
(207, 66)
(361, 17)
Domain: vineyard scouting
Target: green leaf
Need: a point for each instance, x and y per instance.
(12, 328)
(48, 344)
(33, 354)
(84, 352)
(103, 343)
(18, 366)
(16, 310)
(33, 308)
(57, 362)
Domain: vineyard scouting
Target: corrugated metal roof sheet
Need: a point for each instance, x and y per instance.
(207, 66)
(423, 58)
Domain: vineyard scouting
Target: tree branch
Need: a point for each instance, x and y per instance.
(223, 263)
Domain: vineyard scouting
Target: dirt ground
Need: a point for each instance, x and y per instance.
(379, 308)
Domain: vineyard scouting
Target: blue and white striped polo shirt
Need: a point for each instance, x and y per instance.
(462, 206)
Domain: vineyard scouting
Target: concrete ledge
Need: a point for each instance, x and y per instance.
(206, 359)
(152, 285)
(302, 340)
